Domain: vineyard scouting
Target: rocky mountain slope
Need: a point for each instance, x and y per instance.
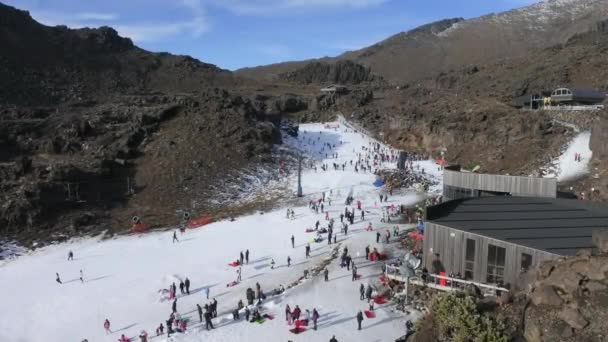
(94, 130)
(453, 43)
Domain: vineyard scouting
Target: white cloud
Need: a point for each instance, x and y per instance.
(94, 16)
(261, 7)
(195, 24)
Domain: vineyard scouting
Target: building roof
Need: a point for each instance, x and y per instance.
(556, 225)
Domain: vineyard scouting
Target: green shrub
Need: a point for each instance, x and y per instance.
(458, 319)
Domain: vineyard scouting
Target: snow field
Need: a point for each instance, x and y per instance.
(123, 275)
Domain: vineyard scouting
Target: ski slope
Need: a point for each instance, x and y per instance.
(565, 167)
(123, 275)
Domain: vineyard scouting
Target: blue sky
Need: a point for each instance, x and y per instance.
(238, 33)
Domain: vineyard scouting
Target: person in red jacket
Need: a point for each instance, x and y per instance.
(106, 325)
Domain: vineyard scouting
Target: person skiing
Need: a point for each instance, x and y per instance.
(326, 274)
(377, 237)
(81, 277)
(58, 279)
(181, 286)
(362, 292)
(174, 305)
(200, 312)
(70, 255)
(272, 264)
(293, 242)
(315, 317)
(175, 236)
(247, 256)
(187, 285)
(359, 319)
(106, 326)
(288, 261)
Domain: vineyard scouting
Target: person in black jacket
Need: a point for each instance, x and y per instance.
(208, 322)
(200, 312)
(187, 285)
(359, 319)
(326, 274)
(174, 305)
(362, 292)
(333, 339)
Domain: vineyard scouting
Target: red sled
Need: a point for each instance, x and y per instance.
(301, 323)
(309, 230)
(379, 300)
(268, 316)
(233, 283)
(382, 279)
(234, 264)
(370, 314)
(297, 330)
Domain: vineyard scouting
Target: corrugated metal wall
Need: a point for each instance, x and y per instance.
(515, 185)
(451, 246)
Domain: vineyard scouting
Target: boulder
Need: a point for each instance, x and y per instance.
(595, 286)
(567, 280)
(532, 332)
(573, 318)
(545, 295)
(600, 240)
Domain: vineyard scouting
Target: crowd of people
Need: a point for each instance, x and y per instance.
(369, 159)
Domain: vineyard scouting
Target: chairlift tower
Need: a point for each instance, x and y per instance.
(300, 175)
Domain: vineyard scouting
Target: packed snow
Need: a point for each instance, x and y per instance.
(124, 277)
(573, 163)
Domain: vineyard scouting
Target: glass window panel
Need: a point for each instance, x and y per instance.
(500, 256)
(491, 255)
(470, 251)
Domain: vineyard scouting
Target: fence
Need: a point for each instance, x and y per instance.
(442, 283)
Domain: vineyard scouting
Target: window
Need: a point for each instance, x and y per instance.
(496, 264)
(526, 262)
(469, 260)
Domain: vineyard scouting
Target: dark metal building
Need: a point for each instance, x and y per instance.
(494, 239)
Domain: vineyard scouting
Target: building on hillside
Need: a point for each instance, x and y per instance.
(570, 97)
(577, 96)
(458, 184)
(334, 89)
(493, 240)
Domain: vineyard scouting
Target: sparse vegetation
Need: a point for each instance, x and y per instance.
(459, 319)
